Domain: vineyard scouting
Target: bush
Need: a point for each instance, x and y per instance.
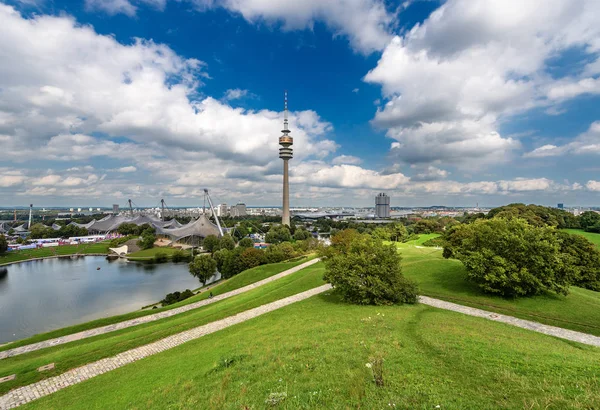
(176, 297)
(181, 256)
(160, 257)
(278, 234)
(226, 242)
(365, 271)
(3, 244)
(250, 258)
(147, 241)
(581, 259)
(435, 242)
(246, 243)
(509, 257)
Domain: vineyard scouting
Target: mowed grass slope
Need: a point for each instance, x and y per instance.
(447, 279)
(244, 278)
(88, 350)
(590, 236)
(16, 256)
(313, 355)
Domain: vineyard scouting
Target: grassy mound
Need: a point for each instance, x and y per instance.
(313, 355)
(16, 256)
(88, 350)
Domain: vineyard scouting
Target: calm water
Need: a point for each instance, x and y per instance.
(39, 296)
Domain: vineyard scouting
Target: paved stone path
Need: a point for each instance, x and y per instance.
(579, 337)
(149, 318)
(26, 394)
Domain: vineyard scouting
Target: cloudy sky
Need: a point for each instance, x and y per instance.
(451, 102)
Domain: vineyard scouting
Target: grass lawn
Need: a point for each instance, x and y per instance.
(15, 256)
(242, 279)
(592, 237)
(313, 355)
(77, 353)
(446, 279)
(146, 254)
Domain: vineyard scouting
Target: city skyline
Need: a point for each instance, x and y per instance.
(435, 103)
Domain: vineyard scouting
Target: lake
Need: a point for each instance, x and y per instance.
(40, 296)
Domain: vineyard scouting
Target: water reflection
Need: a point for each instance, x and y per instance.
(39, 296)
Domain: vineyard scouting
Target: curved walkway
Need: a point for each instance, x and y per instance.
(149, 318)
(45, 387)
(559, 332)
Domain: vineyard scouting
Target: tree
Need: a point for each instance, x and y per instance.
(398, 232)
(278, 234)
(365, 271)
(147, 240)
(382, 233)
(39, 230)
(210, 243)
(581, 259)
(246, 243)
(219, 257)
(203, 267)
(3, 244)
(510, 257)
(226, 242)
(250, 258)
(589, 219)
(301, 234)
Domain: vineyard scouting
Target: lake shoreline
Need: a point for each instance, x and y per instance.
(53, 257)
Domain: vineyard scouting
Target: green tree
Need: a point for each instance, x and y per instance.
(510, 257)
(382, 233)
(203, 267)
(246, 243)
(3, 244)
(226, 242)
(365, 271)
(219, 256)
(278, 234)
(39, 230)
(147, 240)
(589, 219)
(301, 234)
(250, 258)
(210, 243)
(581, 259)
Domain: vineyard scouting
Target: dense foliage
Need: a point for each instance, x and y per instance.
(365, 271)
(147, 239)
(226, 242)
(210, 243)
(278, 234)
(181, 256)
(511, 257)
(3, 244)
(537, 215)
(203, 267)
(246, 243)
(590, 221)
(176, 297)
(41, 231)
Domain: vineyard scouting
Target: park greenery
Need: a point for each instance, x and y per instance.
(3, 244)
(366, 271)
(203, 267)
(176, 297)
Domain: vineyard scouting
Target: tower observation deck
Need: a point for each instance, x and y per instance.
(286, 153)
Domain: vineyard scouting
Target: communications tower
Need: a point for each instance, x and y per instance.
(286, 153)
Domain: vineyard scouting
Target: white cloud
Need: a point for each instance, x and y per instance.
(585, 143)
(126, 7)
(346, 159)
(593, 186)
(127, 169)
(235, 94)
(429, 173)
(451, 80)
(366, 23)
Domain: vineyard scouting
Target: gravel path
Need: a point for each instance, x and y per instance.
(43, 388)
(579, 337)
(149, 318)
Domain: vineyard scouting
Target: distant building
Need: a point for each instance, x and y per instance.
(238, 210)
(115, 209)
(222, 210)
(382, 206)
(561, 206)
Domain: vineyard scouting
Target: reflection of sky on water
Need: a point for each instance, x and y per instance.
(39, 296)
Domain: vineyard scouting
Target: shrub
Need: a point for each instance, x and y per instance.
(433, 242)
(160, 257)
(147, 241)
(176, 297)
(509, 257)
(3, 244)
(365, 271)
(246, 243)
(181, 256)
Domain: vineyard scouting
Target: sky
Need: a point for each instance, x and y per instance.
(455, 102)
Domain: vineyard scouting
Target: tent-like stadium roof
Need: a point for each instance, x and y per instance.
(201, 227)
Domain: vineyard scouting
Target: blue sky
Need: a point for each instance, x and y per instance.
(451, 103)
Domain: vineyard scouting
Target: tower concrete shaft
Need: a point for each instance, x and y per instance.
(286, 153)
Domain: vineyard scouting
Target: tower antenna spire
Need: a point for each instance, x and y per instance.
(286, 153)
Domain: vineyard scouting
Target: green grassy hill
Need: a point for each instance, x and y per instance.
(313, 355)
(16, 256)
